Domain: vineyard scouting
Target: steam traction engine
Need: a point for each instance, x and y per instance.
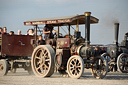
(69, 54)
(117, 55)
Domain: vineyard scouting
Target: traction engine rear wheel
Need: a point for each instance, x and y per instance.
(43, 61)
(122, 63)
(3, 67)
(100, 67)
(75, 66)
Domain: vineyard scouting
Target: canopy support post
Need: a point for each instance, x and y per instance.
(69, 31)
(77, 27)
(36, 34)
(57, 31)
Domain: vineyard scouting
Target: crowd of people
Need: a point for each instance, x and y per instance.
(29, 32)
(4, 31)
(47, 30)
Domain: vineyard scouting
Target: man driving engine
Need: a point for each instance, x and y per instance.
(47, 30)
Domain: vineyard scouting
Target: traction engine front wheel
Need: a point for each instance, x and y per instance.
(75, 66)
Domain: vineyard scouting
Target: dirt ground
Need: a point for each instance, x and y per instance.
(22, 77)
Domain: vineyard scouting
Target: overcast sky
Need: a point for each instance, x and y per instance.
(14, 12)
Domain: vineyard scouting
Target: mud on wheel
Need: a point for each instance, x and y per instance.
(75, 66)
(3, 67)
(43, 61)
(122, 63)
(100, 67)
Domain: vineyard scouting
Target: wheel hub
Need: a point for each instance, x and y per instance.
(75, 68)
(42, 61)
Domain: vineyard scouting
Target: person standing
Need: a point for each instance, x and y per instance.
(47, 30)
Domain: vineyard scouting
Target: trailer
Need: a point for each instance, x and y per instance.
(15, 52)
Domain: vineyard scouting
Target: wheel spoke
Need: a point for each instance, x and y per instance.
(47, 60)
(46, 67)
(71, 65)
(75, 72)
(71, 68)
(45, 54)
(41, 54)
(38, 57)
(39, 67)
(74, 61)
(38, 63)
(78, 66)
(42, 71)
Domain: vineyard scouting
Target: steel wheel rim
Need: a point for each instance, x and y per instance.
(42, 61)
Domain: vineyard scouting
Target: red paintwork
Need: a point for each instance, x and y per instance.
(63, 42)
(16, 45)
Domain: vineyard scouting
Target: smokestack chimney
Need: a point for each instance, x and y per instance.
(87, 28)
(116, 33)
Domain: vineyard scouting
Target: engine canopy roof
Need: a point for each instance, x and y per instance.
(61, 21)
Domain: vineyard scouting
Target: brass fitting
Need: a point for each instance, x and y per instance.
(87, 13)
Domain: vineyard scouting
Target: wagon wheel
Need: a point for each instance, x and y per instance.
(100, 67)
(3, 67)
(122, 63)
(75, 66)
(43, 61)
